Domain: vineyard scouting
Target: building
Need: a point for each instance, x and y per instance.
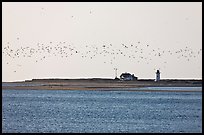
(157, 76)
(127, 77)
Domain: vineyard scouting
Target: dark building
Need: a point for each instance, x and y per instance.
(127, 77)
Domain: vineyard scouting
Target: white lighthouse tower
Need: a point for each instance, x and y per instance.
(157, 76)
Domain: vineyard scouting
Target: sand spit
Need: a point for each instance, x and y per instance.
(98, 84)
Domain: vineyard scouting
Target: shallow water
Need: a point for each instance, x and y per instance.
(21, 84)
(100, 111)
(172, 88)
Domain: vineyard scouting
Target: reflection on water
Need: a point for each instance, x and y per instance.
(101, 111)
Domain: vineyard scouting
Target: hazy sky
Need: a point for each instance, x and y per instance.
(84, 40)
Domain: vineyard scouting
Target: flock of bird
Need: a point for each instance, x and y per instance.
(136, 52)
(108, 53)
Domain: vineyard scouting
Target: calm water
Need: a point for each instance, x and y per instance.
(172, 88)
(101, 111)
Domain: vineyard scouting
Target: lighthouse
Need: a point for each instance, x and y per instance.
(157, 76)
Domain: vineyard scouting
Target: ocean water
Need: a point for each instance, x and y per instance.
(78, 111)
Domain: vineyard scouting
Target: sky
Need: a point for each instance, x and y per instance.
(92, 39)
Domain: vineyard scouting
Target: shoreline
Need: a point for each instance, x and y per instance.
(100, 85)
(107, 89)
(133, 89)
